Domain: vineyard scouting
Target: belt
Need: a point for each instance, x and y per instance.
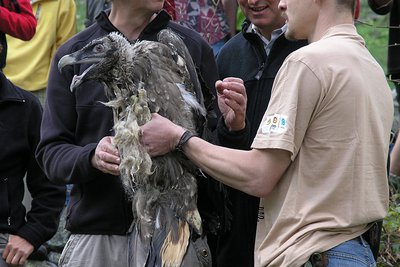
(317, 260)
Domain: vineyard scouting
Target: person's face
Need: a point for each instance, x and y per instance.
(300, 16)
(265, 14)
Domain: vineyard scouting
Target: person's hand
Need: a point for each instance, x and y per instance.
(232, 101)
(106, 157)
(160, 135)
(17, 250)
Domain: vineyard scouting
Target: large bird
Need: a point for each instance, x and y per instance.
(141, 78)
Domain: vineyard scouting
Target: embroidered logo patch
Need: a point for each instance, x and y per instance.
(276, 123)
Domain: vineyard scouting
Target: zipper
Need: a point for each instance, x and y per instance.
(9, 221)
(260, 71)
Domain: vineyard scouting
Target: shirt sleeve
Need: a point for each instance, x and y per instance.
(66, 27)
(295, 96)
(47, 198)
(20, 25)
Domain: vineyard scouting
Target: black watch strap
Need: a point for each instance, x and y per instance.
(184, 139)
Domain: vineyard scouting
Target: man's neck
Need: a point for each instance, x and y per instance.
(129, 21)
(329, 17)
(267, 31)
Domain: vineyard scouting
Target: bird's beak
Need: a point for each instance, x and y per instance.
(66, 60)
(77, 58)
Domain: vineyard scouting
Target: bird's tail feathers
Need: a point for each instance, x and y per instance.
(164, 237)
(173, 251)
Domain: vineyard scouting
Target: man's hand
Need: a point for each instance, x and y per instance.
(106, 157)
(232, 101)
(17, 250)
(160, 135)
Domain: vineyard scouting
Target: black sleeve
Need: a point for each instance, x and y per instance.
(232, 139)
(47, 198)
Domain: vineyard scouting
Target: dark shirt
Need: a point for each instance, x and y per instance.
(20, 116)
(74, 123)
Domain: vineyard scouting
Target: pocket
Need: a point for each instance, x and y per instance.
(4, 238)
(3, 243)
(202, 251)
(4, 203)
(68, 249)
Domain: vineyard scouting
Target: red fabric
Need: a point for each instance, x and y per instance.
(169, 6)
(357, 10)
(19, 25)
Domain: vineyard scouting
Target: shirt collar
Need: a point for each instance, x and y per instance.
(274, 35)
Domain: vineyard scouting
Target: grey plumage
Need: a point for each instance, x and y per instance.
(141, 78)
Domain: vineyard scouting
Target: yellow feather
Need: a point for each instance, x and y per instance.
(172, 253)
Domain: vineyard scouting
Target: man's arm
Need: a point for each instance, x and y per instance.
(20, 25)
(47, 199)
(395, 157)
(254, 172)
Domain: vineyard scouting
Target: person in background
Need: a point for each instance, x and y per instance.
(395, 160)
(28, 62)
(22, 232)
(94, 8)
(16, 20)
(214, 20)
(259, 49)
(76, 139)
(319, 157)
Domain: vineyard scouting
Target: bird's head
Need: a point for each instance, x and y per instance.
(103, 53)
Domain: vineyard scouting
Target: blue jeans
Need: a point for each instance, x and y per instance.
(353, 253)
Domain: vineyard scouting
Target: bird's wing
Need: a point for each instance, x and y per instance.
(167, 81)
(171, 39)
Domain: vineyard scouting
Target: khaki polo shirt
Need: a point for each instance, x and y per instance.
(331, 107)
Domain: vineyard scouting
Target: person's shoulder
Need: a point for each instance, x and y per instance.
(187, 35)
(31, 103)
(82, 38)
(27, 96)
(311, 50)
(236, 42)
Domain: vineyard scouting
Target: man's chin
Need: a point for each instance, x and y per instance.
(290, 35)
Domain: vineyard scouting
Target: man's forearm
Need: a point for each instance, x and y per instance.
(395, 158)
(254, 172)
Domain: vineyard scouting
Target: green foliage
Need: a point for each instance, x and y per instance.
(390, 240)
(374, 29)
(80, 14)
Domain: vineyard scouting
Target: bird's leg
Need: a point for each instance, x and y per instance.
(141, 109)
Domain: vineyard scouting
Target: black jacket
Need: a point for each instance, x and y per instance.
(74, 122)
(244, 56)
(20, 116)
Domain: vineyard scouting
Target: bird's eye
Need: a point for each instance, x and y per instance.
(98, 48)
